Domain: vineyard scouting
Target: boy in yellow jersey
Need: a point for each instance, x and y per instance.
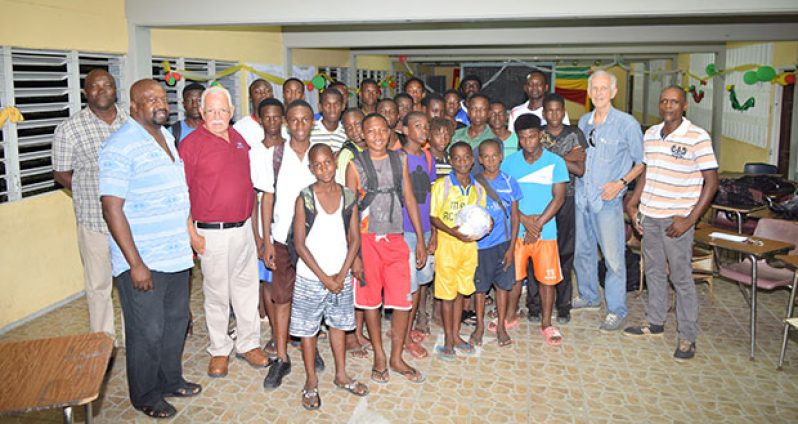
(456, 254)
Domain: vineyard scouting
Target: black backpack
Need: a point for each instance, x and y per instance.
(309, 204)
(371, 190)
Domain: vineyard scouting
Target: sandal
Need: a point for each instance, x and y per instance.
(445, 354)
(552, 335)
(379, 376)
(186, 390)
(416, 350)
(493, 314)
(417, 336)
(311, 399)
(359, 352)
(354, 387)
(270, 349)
(162, 409)
(465, 348)
(412, 375)
(508, 325)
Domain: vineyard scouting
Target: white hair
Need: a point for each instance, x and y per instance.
(215, 89)
(600, 73)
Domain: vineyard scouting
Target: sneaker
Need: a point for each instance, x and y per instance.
(279, 369)
(319, 363)
(581, 304)
(469, 318)
(685, 350)
(644, 330)
(611, 323)
(532, 317)
(563, 318)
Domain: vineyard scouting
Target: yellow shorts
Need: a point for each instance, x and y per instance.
(545, 260)
(455, 265)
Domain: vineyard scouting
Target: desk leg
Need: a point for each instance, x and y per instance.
(753, 304)
(739, 222)
(88, 410)
(68, 415)
(790, 307)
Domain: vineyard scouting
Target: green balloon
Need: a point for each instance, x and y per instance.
(318, 82)
(711, 69)
(750, 78)
(765, 73)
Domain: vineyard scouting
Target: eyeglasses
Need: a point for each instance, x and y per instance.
(590, 138)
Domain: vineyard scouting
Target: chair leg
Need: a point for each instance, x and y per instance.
(790, 306)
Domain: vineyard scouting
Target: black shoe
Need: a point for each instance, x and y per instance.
(644, 330)
(563, 319)
(319, 363)
(533, 317)
(685, 350)
(277, 371)
(469, 318)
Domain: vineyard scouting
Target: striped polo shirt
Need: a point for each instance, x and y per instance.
(335, 138)
(673, 169)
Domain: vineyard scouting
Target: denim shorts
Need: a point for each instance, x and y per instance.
(419, 277)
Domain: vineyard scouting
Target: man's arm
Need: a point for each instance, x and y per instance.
(64, 178)
(353, 246)
(352, 183)
(633, 203)
(611, 189)
(120, 230)
(681, 224)
(255, 223)
(575, 161)
(266, 214)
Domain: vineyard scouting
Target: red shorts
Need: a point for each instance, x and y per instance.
(386, 271)
(545, 261)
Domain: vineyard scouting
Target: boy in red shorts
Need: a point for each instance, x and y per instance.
(380, 179)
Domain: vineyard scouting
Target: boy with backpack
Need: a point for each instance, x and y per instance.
(326, 239)
(456, 253)
(496, 253)
(380, 178)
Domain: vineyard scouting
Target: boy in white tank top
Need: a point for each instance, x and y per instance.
(326, 243)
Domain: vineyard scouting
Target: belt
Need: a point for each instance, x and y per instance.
(219, 225)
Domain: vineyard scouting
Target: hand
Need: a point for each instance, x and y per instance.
(632, 211)
(509, 257)
(142, 277)
(333, 286)
(535, 226)
(198, 243)
(421, 255)
(357, 269)
(260, 247)
(611, 189)
(530, 238)
(460, 236)
(268, 254)
(679, 225)
(432, 245)
(577, 154)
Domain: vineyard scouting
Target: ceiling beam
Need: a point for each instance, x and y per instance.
(547, 51)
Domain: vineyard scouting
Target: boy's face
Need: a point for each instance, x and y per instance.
(389, 112)
(554, 113)
(417, 130)
(434, 109)
(529, 139)
(461, 159)
(299, 121)
(451, 104)
(322, 165)
(331, 108)
(353, 127)
(478, 110)
(293, 91)
(440, 139)
(405, 106)
(498, 116)
(416, 91)
(377, 134)
(271, 118)
(490, 156)
(259, 91)
(369, 93)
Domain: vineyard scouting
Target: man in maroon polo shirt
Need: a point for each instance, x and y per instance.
(216, 160)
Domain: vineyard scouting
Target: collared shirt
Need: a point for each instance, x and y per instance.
(134, 167)
(673, 169)
(335, 138)
(617, 146)
(217, 173)
(76, 147)
(293, 177)
(462, 135)
(523, 109)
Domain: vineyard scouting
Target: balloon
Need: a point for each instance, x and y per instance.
(765, 73)
(789, 79)
(177, 76)
(318, 82)
(310, 86)
(750, 78)
(711, 69)
(402, 58)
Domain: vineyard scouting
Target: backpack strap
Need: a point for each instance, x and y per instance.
(397, 170)
(348, 145)
(495, 197)
(277, 160)
(309, 202)
(371, 189)
(349, 203)
(177, 130)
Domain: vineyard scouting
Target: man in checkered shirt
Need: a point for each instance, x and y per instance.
(76, 147)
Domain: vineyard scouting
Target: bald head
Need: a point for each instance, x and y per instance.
(148, 104)
(100, 89)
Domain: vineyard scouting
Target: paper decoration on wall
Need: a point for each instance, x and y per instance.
(171, 78)
(698, 95)
(736, 103)
(10, 114)
(786, 78)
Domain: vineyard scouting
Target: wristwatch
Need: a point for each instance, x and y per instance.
(625, 183)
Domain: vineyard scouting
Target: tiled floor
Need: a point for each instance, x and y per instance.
(593, 377)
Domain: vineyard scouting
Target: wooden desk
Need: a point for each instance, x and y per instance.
(739, 212)
(791, 261)
(59, 372)
(754, 252)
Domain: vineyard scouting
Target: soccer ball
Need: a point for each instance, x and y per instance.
(474, 221)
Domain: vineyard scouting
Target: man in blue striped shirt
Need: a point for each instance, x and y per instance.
(145, 203)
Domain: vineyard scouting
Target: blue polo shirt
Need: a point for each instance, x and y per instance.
(508, 191)
(135, 168)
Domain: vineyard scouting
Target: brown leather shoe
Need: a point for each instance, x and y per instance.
(218, 366)
(255, 357)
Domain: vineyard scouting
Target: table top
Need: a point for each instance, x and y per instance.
(768, 246)
(52, 373)
(742, 209)
(791, 260)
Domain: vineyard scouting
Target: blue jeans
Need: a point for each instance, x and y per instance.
(606, 230)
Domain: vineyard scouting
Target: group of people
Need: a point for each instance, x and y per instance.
(323, 222)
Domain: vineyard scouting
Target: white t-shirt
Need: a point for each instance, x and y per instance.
(523, 109)
(335, 138)
(293, 177)
(261, 164)
(326, 242)
(250, 130)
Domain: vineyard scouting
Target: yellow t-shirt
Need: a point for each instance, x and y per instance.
(445, 206)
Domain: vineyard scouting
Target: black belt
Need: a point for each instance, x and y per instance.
(219, 225)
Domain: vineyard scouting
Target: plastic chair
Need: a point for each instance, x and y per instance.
(768, 277)
(760, 168)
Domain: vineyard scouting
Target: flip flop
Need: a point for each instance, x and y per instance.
(465, 348)
(509, 325)
(359, 352)
(160, 410)
(379, 376)
(354, 387)
(552, 335)
(311, 399)
(270, 349)
(416, 350)
(412, 375)
(186, 390)
(417, 336)
(444, 354)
